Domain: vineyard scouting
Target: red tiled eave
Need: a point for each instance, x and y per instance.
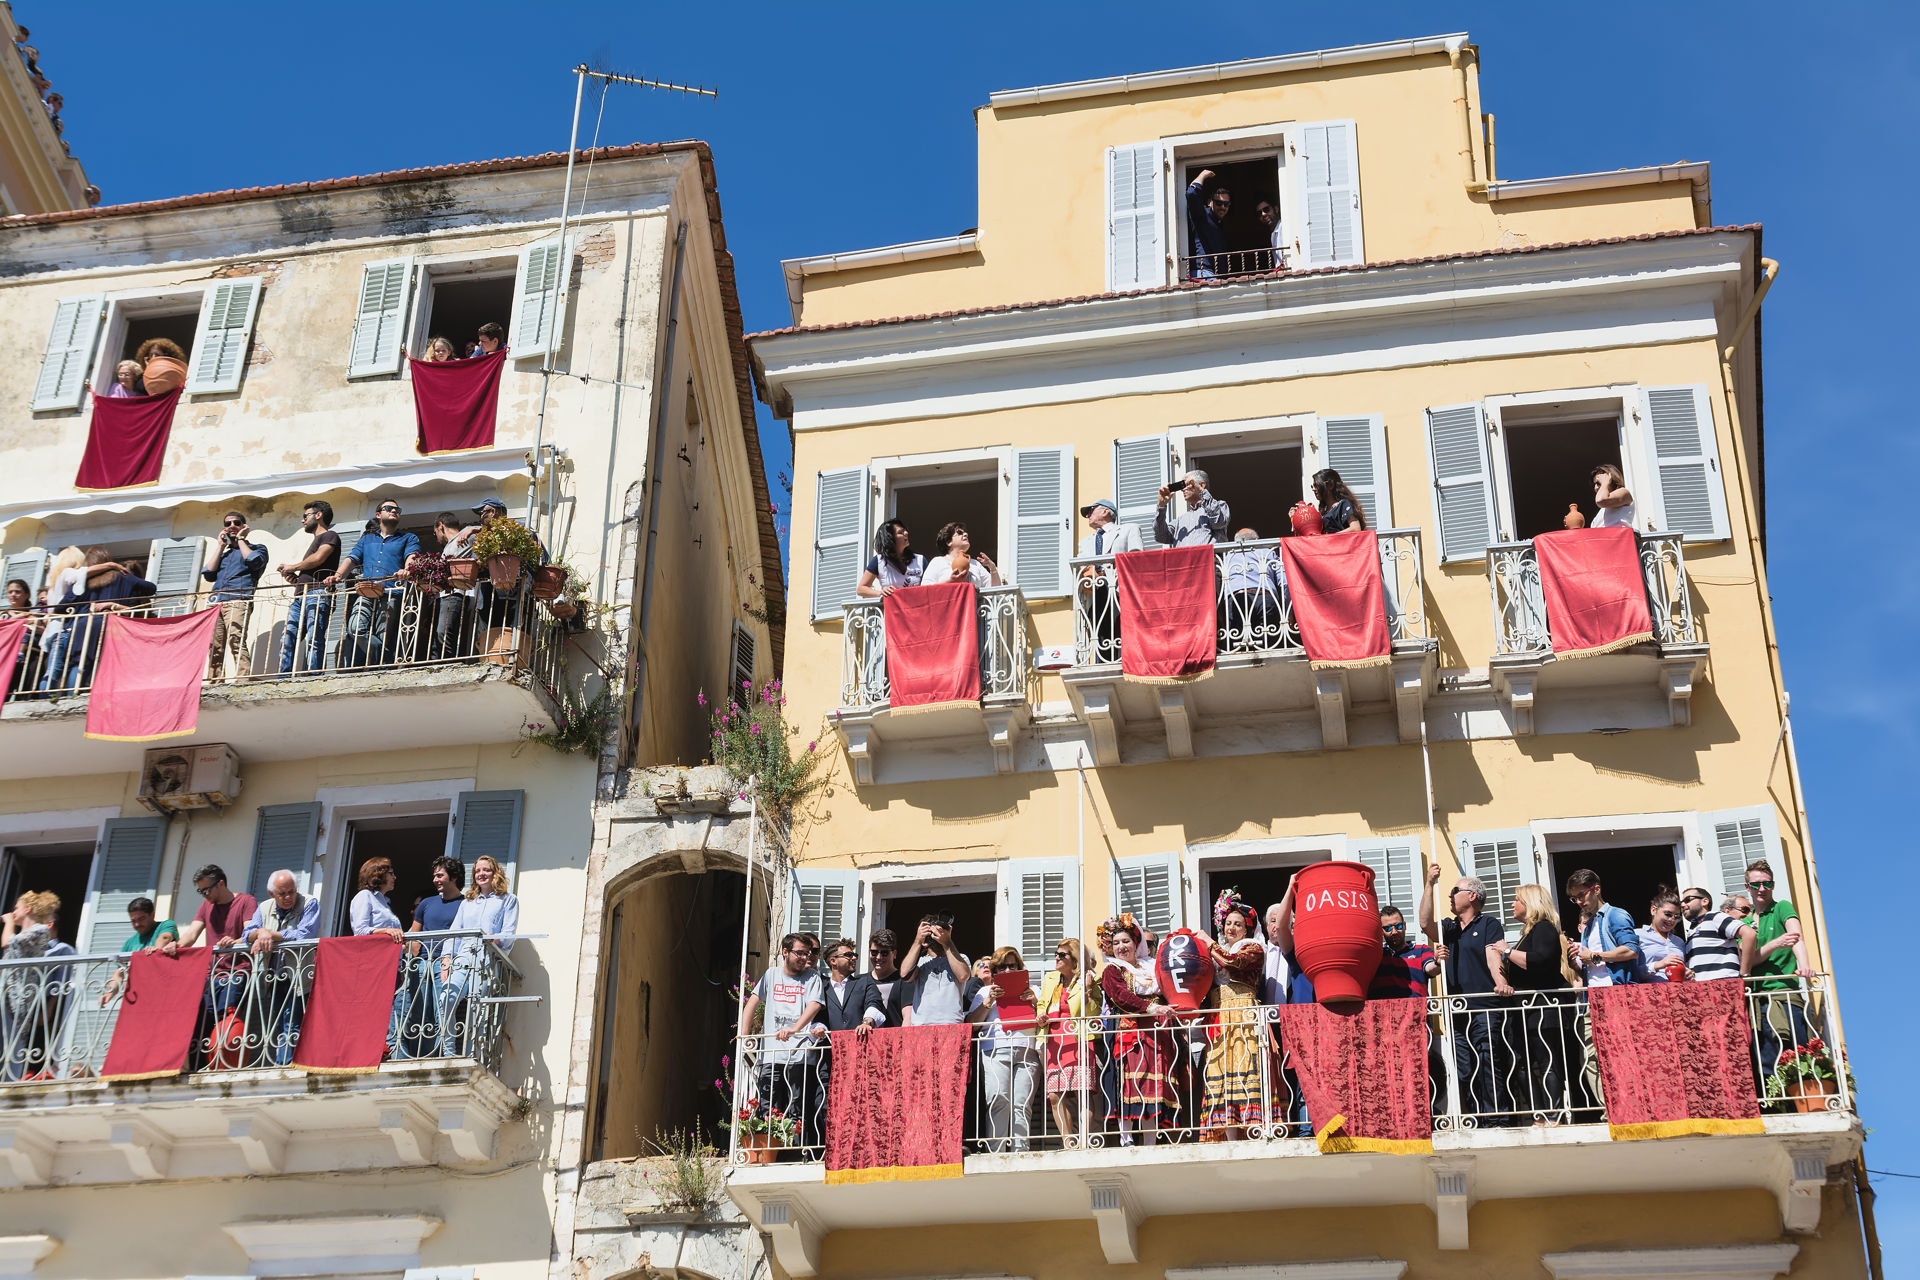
(1185, 286)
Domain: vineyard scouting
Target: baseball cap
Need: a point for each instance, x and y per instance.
(1108, 503)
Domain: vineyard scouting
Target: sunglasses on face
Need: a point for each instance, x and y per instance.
(1396, 928)
(879, 951)
(1063, 955)
(395, 510)
(233, 524)
(1759, 884)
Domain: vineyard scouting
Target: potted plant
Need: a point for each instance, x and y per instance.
(505, 545)
(429, 572)
(548, 581)
(761, 1135)
(1806, 1076)
(572, 597)
(462, 571)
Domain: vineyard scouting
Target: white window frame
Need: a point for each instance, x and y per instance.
(1243, 435)
(1225, 146)
(1576, 404)
(464, 267)
(1610, 831)
(68, 826)
(1197, 860)
(912, 470)
(140, 304)
(341, 806)
(924, 880)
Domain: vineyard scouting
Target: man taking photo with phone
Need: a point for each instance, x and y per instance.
(934, 971)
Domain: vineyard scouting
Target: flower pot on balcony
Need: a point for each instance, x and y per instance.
(503, 572)
(548, 581)
(761, 1148)
(1809, 1096)
(507, 647)
(463, 571)
(562, 609)
(371, 590)
(1336, 929)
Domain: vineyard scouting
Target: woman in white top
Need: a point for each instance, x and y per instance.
(954, 561)
(1614, 504)
(893, 564)
(1009, 1060)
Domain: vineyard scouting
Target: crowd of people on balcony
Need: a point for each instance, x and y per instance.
(1104, 1030)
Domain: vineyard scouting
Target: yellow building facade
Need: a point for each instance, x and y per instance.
(1463, 348)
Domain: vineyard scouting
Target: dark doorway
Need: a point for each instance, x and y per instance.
(1550, 465)
(972, 918)
(63, 869)
(461, 306)
(974, 502)
(1259, 887)
(411, 844)
(1628, 878)
(1260, 485)
(179, 328)
(1247, 182)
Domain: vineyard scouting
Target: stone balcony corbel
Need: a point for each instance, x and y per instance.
(795, 1236)
(1117, 1214)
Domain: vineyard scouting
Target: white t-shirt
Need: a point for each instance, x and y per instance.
(1612, 517)
(940, 569)
(782, 997)
(887, 574)
(992, 1037)
(1598, 975)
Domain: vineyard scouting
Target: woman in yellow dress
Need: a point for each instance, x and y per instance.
(1233, 1057)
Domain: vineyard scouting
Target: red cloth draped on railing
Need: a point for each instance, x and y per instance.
(896, 1104)
(12, 632)
(933, 646)
(345, 1030)
(1596, 595)
(126, 441)
(1364, 1073)
(1674, 1058)
(1334, 581)
(455, 402)
(147, 682)
(159, 1010)
(1168, 631)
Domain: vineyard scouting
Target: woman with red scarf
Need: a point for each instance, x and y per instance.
(1145, 1046)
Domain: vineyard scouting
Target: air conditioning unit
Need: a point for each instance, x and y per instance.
(201, 777)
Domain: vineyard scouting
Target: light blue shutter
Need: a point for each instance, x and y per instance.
(1329, 172)
(1044, 904)
(488, 822)
(1693, 496)
(1356, 447)
(1135, 258)
(376, 346)
(69, 354)
(173, 566)
(839, 538)
(220, 343)
(824, 904)
(1396, 874)
(30, 566)
(1141, 465)
(1503, 861)
(536, 299)
(127, 867)
(1149, 887)
(1042, 520)
(1462, 482)
(1733, 838)
(284, 838)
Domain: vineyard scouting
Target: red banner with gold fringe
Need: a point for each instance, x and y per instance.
(1364, 1073)
(147, 684)
(1674, 1058)
(159, 1010)
(933, 646)
(1335, 584)
(1595, 593)
(1168, 630)
(896, 1104)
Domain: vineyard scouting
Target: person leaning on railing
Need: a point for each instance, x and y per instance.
(371, 912)
(1009, 1060)
(1781, 968)
(220, 921)
(381, 554)
(73, 571)
(1340, 510)
(491, 910)
(1109, 538)
(148, 934)
(286, 916)
(234, 566)
(304, 639)
(1662, 942)
(20, 605)
(1718, 945)
(434, 913)
(790, 993)
(32, 997)
(1538, 1036)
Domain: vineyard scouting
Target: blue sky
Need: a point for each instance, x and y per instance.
(841, 127)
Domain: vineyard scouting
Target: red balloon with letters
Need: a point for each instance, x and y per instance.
(1336, 929)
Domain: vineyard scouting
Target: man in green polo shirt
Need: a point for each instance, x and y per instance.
(147, 934)
(1780, 966)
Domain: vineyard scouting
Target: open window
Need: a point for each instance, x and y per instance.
(1544, 455)
(1259, 468)
(1631, 861)
(64, 868)
(970, 892)
(1258, 870)
(410, 842)
(456, 298)
(1249, 180)
(132, 321)
(929, 491)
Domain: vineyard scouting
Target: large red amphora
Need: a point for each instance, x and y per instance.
(1336, 929)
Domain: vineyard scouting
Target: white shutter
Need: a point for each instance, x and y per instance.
(1356, 447)
(1135, 259)
(1733, 838)
(839, 538)
(1043, 900)
(1686, 459)
(824, 904)
(173, 567)
(1042, 520)
(1396, 874)
(1503, 861)
(1141, 465)
(535, 328)
(30, 566)
(220, 343)
(740, 671)
(1329, 193)
(69, 355)
(126, 866)
(284, 838)
(1149, 887)
(1462, 482)
(377, 346)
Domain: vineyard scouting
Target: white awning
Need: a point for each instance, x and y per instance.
(403, 473)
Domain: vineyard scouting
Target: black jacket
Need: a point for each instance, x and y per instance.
(862, 994)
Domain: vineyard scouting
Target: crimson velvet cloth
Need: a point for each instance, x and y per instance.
(345, 1030)
(12, 631)
(896, 1104)
(1674, 1058)
(159, 1009)
(1338, 598)
(147, 683)
(455, 402)
(1596, 596)
(1364, 1073)
(1167, 628)
(126, 441)
(933, 645)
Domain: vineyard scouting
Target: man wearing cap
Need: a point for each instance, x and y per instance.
(1109, 537)
(500, 612)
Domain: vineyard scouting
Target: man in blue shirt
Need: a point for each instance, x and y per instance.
(426, 1011)
(287, 915)
(1206, 232)
(381, 555)
(234, 566)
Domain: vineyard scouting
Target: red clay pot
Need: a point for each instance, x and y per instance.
(1336, 929)
(1306, 521)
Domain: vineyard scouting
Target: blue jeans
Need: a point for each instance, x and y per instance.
(371, 625)
(305, 637)
(1780, 1023)
(54, 677)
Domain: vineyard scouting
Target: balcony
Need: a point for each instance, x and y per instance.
(309, 665)
(1538, 1129)
(1524, 668)
(985, 735)
(1262, 695)
(240, 1110)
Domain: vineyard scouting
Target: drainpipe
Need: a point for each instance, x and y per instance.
(1493, 171)
(1456, 57)
(663, 395)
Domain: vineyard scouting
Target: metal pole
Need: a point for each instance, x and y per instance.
(560, 308)
(746, 938)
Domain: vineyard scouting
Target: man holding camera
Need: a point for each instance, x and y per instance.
(935, 971)
(234, 566)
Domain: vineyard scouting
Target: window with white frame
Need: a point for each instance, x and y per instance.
(1258, 871)
(404, 303)
(91, 334)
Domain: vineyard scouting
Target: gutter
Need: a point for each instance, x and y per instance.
(797, 269)
(1697, 172)
(1219, 71)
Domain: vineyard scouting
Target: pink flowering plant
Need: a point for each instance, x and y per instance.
(749, 1117)
(756, 746)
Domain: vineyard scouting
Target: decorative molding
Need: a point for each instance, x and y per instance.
(1729, 1262)
(26, 1159)
(795, 1235)
(412, 1132)
(1452, 1199)
(1117, 1214)
(470, 1130)
(147, 1149)
(262, 1142)
(1350, 1269)
(1330, 695)
(19, 1255)
(1176, 713)
(1802, 1180)
(367, 1245)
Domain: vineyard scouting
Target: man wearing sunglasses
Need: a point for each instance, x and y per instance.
(381, 555)
(1780, 966)
(883, 965)
(234, 566)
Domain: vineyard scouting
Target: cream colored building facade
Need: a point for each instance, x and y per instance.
(1463, 348)
(38, 171)
(638, 464)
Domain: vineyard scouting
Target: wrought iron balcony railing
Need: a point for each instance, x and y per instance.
(1519, 606)
(1003, 649)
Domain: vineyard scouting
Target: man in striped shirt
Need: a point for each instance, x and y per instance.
(1718, 945)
